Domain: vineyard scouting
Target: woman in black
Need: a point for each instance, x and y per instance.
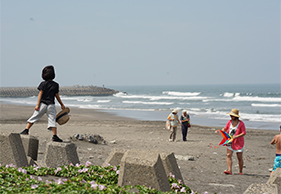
(184, 124)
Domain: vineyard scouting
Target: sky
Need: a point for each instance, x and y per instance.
(144, 42)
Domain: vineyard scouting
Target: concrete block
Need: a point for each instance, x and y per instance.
(30, 145)
(60, 153)
(114, 157)
(262, 188)
(31, 162)
(11, 150)
(143, 168)
(41, 163)
(168, 159)
(170, 165)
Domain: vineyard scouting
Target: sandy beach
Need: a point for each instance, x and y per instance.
(204, 173)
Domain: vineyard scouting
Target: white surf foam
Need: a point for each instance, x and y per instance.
(150, 103)
(119, 94)
(163, 97)
(266, 105)
(103, 101)
(173, 93)
(256, 99)
(229, 94)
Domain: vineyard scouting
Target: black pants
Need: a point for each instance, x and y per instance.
(184, 130)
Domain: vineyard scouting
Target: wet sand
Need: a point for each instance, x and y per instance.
(204, 173)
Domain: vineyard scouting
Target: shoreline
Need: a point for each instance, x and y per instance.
(204, 173)
(144, 115)
(10, 113)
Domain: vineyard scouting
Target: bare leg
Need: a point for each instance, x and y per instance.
(29, 125)
(272, 167)
(240, 161)
(55, 137)
(54, 129)
(229, 159)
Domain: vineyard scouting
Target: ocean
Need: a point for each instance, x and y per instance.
(259, 104)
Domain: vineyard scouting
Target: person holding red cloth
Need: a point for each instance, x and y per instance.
(235, 128)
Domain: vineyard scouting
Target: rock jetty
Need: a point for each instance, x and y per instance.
(64, 90)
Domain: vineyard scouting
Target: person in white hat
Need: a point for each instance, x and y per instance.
(174, 120)
(48, 91)
(237, 130)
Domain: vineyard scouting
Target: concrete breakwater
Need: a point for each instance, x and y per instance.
(64, 90)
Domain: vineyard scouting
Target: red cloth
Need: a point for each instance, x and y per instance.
(237, 143)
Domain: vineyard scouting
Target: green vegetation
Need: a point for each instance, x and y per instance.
(77, 178)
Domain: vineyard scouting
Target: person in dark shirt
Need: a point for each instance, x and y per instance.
(48, 91)
(184, 124)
